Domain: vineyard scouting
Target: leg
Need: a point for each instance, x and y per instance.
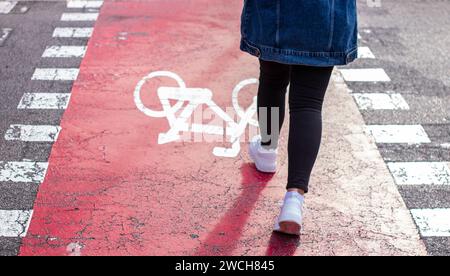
(273, 81)
(306, 96)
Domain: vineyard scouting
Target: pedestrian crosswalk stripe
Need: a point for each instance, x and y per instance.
(420, 173)
(365, 75)
(32, 133)
(445, 145)
(7, 6)
(72, 32)
(84, 4)
(25, 171)
(410, 134)
(62, 74)
(14, 223)
(44, 101)
(432, 222)
(380, 101)
(365, 52)
(79, 16)
(58, 51)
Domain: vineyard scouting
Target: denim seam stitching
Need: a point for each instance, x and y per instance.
(298, 53)
(330, 42)
(277, 36)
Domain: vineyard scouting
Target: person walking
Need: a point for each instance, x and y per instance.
(298, 43)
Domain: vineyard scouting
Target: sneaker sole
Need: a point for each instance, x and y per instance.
(289, 227)
(259, 167)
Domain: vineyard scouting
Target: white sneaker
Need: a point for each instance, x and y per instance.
(291, 216)
(265, 159)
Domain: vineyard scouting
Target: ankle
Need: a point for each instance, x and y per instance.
(300, 191)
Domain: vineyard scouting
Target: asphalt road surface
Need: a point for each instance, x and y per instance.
(409, 40)
(31, 25)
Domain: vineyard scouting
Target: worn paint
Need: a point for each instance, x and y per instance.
(77, 16)
(420, 173)
(380, 101)
(14, 223)
(25, 171)
(410, 134)
(195, 98)
(72, 32)
(44, 101)
(32, 133)
(432, 222)
(365, 75)
(84, 4)
(7, 6)
(445, 145)
(58, 51)
(55, 74)
(365, 52)
(4, 34)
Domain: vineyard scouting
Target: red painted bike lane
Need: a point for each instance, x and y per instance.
(111, 188)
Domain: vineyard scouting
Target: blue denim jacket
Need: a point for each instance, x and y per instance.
(309, 32)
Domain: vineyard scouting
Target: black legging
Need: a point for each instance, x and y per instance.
(306, 94)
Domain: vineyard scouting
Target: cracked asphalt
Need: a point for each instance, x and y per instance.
(410, 41)
(113, 211)
(31, 24)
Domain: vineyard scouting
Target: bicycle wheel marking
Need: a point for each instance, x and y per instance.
(196, 97)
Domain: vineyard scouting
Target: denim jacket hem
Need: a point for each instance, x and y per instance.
(288, 56)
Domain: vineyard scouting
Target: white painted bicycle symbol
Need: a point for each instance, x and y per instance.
(195, 98)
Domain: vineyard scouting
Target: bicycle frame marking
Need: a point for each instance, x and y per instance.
(195, 98)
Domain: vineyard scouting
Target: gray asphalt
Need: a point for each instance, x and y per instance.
(20, 54)
(411, 39)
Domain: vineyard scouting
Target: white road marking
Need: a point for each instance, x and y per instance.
(23, 9)
(195, 98)
(378, 101)
(411, 134)
(432, 222)
(64, 51)
(79, 16)
(7, 6)
(4, 34)
(74, 249)
(445, 145)
(14, 223)
(63, 74)
(365, 52)
(44, 101)
(73, 32)
(25, 171)
(84, 4)
(365, 75)
(420, 173)
(32, 133)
